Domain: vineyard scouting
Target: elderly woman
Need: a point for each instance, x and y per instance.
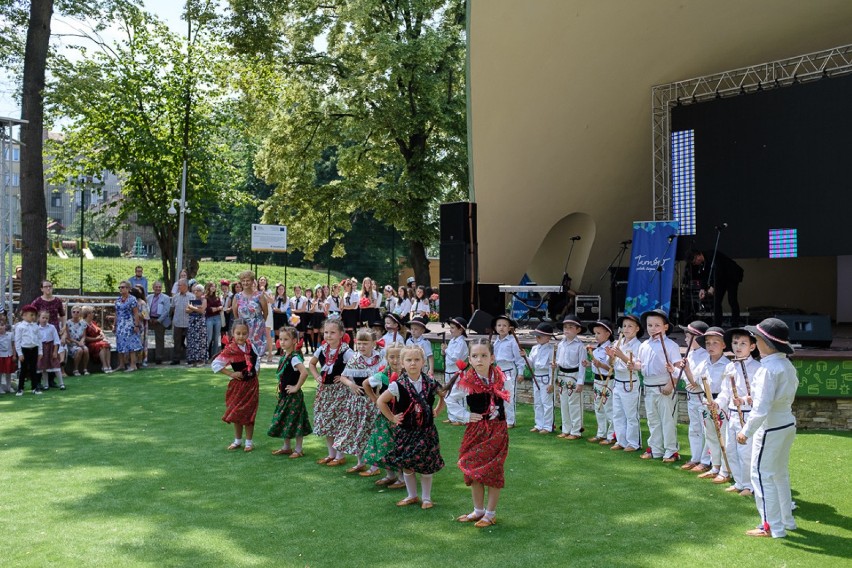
(128, 325)
(196, 332)
(95, 340)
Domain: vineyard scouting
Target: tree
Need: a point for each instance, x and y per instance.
(386, 94)
(35, 58)
(142, 106)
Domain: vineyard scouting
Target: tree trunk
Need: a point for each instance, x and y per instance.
(33, 207)
(419, 262)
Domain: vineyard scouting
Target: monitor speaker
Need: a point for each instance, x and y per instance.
(812, 330)
(480, 322)
(456, 300)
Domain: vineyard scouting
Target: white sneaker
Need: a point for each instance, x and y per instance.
(76, 373)
(19, 393)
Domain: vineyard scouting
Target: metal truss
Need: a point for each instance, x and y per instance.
(7, 237)
(782, 73)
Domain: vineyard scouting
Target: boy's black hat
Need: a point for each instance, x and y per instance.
(419, 320)
(697, 328)
(775, 332)
(544, 328)
(495, 319)
(659, 313)
(711, 331)
(604, 323)
(634, 319)
(395, 318)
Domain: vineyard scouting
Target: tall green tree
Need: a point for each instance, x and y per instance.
(143, 105)
(30, 58)
(382, 83)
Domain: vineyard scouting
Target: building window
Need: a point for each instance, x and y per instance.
(55, 199)
(683, 180)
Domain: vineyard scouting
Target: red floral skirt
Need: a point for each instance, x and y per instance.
(241, 401)
(483, 452)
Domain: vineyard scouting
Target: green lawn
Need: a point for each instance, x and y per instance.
(104, 274)
(131, 470)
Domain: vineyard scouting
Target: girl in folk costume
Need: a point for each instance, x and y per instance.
(601, 366)
(485, 444)
(569, 358)
(735, 399)
(695, 355)
(507, 353)
(381, 441)
(242, 394)
(713, 370)
(8, 361)
(49, 363)
(326, 367)
(409, 404)
(625, 388)
(660, 401)
(359, 415)
(455, 355)
(290, 419)
(542, 357)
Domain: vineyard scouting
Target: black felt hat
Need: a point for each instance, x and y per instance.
(495, 319)
(775, 332)
(711, 331)
(659, 313)
(544, 328)
(697, 328)
(419, 320)
(634, 319)
(604, 323)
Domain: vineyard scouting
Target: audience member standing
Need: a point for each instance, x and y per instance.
(159, 307)
(180, 320)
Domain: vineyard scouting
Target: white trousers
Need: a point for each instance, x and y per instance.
(770, 475)
(542, 403)
(712, 454)
(661, 411)
(509, 405)
(625, 415)
(739, 455)
(455, 410)
(603, 412)
(694, 407)
(571, 404)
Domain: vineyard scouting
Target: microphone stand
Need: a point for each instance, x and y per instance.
(570, 251)
(711, 276)
(659, 271)
(619, 256)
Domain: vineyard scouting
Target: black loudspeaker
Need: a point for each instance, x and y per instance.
(480, 322)
(456, 300)
(490, 298)
(812, 330)
(457, 262)
(458, 222)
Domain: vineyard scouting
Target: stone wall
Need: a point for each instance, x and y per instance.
(811, 413)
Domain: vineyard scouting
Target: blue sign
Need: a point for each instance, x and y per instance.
(652, 266)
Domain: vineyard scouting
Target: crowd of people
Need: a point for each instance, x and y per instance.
(199, 316)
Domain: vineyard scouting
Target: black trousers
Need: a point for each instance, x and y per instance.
(29, 368)
(179, 349)
(729, 288)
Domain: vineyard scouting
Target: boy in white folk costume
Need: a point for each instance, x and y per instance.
(735, 400)
(773, 427)
(713, 370)
(569, 357)
(542, 359)
(695, 355)
(601, 366)
(660, 396)
(509, 359)
(454, 352)
(626, 386)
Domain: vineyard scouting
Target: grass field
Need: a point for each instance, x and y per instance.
(131, 470)
(104, 274)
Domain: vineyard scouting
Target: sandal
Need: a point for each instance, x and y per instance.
(234, 446)
(296, 455)
(408, 501)
(398, 484)
(386, 481)
(426, 505)
(282, 452)
(356, 468)
(470, 518)
(757, 532)
(335, 463)
(371, 473)
(324, 460)
(485, 522)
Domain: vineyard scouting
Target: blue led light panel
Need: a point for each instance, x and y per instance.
(683, 180)
(783, 243)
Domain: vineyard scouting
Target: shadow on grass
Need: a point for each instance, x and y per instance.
(145, 480)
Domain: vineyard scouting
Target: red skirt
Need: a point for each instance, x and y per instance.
(241, 401)
(483, 452)
(8, 365)
(49, 360)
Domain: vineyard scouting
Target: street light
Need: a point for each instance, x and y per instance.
(175, 206)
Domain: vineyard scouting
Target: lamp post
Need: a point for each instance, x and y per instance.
(85, 184)
(181, 204)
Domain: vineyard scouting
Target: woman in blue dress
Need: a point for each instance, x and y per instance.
(128, 325)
